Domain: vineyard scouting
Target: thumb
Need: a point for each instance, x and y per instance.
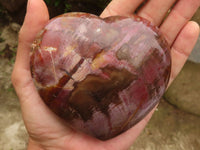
(33, 109)
(31, 104)
(36, 17)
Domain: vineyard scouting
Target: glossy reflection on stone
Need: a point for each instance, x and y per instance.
(101, 75)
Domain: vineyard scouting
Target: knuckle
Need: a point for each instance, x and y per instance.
(112, 11)
(14, 78)
(19, 81)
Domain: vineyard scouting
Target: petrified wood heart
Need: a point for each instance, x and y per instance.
(101, 75)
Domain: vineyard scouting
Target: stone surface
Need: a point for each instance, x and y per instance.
(5, 71)
(184, 92)
(9, 37)
(195, 55)
(170, 129)
(100, 73)
(13, 135)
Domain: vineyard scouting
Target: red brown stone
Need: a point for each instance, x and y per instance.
(101, 75)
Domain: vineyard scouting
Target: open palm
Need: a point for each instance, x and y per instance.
(45, 129)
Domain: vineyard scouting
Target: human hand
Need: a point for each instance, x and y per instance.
(45, 129)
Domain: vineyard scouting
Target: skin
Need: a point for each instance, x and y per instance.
(47, 131)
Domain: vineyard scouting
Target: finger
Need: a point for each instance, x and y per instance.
(33, 108)
(33, 23)
(121, 7)
(155, 10)
(129, 136)
(182, 47)
(35, 19)
(178, 17)
(21, 76)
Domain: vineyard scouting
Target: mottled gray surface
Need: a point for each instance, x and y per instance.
(8, 37)
(195, 55)
(170, 129)
(13, 135)
(184, 92)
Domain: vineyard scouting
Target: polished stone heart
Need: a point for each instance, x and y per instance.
(101, 75)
